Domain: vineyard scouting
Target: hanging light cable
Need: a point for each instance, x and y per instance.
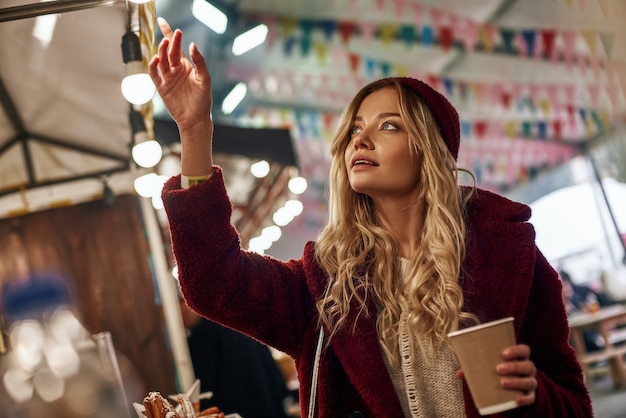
(137, 86)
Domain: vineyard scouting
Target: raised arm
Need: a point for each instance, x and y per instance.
(184, 84)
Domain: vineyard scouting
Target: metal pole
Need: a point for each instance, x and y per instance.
(50, 7)
(169, 299)
(598, 179)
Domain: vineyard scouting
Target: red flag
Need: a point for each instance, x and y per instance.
(557, 130)
(346, 30)
(547, 38)
(480, 128)
(355, 61)
(445, 37)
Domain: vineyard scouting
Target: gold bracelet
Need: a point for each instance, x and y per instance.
(189, 181)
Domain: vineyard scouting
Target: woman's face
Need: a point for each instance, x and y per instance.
(377, 158)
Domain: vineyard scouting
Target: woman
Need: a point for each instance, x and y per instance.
(407, 256)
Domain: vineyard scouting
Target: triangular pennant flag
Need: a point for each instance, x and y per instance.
(401, 70)
(557, 131)
(569, 43)
(418, 13)
(463, 90)
(469, 35)
(428, 35)
(590, 36)
(438, 17)
(508, 38)
(287, 26)
(407, 33)
(367, 31)
(529, 36)
(387, 32)
(370, 67)
(488, 36)
(346, 30)
(288, 46)
(433, 81)
(380, 5)
(542, 129)
(321, 50)
(385, 68)
(446, 37)
(355, 62)
(518, 92)
(448, 86)
(547, 40)
(544, 106)
(338, 56)
(552, 90)
(466, 129)
(328, 119)
(569, 2)
(505, 99)
(480, 128)
(533, 91)
(270, 22)
(306, 26)
(510, 128)
(527, 129)
(399, 6)
(581, 4)
(328, 27)
(607, 38)
(597, 120)
(594, 93)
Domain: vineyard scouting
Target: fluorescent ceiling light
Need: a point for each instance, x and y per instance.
(249, 39)
(233, 99)
(211, 16)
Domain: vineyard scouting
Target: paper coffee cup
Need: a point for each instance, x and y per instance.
(479, 350)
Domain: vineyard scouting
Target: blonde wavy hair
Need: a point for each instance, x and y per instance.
(361, 258)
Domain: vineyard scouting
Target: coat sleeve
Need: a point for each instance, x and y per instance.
(561, 391)
(260, 296)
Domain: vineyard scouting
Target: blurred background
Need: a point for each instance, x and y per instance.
(539, 85)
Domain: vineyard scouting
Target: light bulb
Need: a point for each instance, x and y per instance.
(137, 87)
(147, 154)
(260, 169)
(297, 185)
(149, 184)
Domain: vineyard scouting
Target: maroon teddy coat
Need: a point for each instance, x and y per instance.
(274, 302)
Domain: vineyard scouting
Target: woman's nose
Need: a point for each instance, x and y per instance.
(362, 140)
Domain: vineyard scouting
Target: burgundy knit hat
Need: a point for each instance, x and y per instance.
(444, 113)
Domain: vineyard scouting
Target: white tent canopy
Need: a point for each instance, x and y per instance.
(577, 231)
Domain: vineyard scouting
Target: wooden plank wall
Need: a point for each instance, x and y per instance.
(102, 252)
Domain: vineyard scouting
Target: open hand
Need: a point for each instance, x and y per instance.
(183, 84)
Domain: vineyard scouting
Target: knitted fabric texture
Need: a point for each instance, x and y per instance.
(444, 113)
(443, 395)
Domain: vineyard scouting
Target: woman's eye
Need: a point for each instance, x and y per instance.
(355, 130)
(388, 126)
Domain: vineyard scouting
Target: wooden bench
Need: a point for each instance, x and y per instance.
(614, 356)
